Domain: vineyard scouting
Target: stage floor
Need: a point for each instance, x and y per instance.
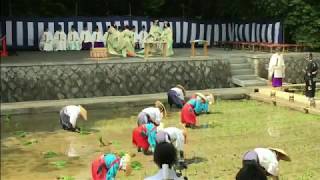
(37, 57)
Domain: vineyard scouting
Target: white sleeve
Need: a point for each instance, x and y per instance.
(273, 169)
(158, 117)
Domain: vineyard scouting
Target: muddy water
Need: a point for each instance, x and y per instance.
(23, 157)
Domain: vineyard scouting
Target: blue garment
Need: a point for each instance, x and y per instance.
(112, 171)
(199, 106)
(152, 135)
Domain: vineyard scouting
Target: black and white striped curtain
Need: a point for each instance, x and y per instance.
(25, 33)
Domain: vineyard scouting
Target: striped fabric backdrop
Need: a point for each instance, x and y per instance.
(24, 33)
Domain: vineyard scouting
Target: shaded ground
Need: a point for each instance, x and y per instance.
(214, 152)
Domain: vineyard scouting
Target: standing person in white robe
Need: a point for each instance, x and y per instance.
(46, 41)
(143, 34)
(73, 40)
(98, 40)
(60, 40)
(276, 70)
(86, 38)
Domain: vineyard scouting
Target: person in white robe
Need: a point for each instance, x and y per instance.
(175, 136)
(60, 40)
(143, 34)
(276, 69)
(97, 37)
(73, 42)
(165, 157)
(46, 41)
(86, 39)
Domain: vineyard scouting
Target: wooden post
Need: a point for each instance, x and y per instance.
(192, 49)
(146, 50)
(164, 50)
(205, 48)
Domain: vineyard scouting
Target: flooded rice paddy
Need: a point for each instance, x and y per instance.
(35, 147)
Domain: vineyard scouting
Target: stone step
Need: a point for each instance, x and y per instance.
(240, 66)
(247, 77)
(242, 72)
(248, 83)
(237, 60)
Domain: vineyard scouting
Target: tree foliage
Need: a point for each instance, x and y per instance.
(301, 17)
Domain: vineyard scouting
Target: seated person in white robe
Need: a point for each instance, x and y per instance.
(60, 40)
(143, 34)
(73, 40)
(97, 37)
(86, 38)
(46, 41)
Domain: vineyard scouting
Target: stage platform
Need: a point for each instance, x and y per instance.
(37, 57)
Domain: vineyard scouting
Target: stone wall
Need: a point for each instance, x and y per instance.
(64, 81)
(295, 64)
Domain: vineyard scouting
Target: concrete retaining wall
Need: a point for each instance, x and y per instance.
(65, 81)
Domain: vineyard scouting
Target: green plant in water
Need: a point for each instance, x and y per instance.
(84, 131)
(59, 164)
(66, 178)
(20, 133)
(136, 165)
(49, 154)
(32, 141)
(121, 154)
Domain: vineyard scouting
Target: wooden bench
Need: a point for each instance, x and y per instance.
(147, 46)
(205, 47)
(98, 52)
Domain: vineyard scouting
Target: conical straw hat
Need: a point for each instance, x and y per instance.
(202, 96)
(162, 108)
(83, 113)
(182, 88)
(283, 155)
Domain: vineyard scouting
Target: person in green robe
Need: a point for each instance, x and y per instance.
(155, 32)
(167, 36)
(128, 41)
(113, 40)
(119, 43)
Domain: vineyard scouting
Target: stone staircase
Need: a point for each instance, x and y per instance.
(243, 74)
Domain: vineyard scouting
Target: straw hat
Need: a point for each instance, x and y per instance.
(83, 113)
(182, 88)
(162, 108)
(282, 155)
(125, 163)
(210, 98)
(202, 96)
